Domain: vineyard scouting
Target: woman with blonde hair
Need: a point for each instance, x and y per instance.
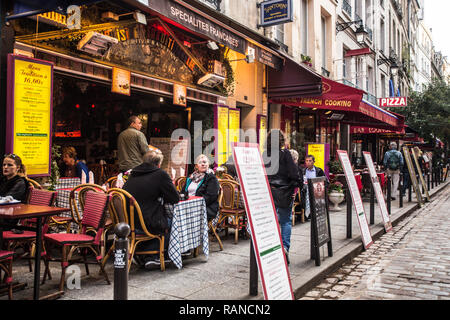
(203, 183)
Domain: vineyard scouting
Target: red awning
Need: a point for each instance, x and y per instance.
(370, 130)
(293, 81)
(348, 101)
(357, 52)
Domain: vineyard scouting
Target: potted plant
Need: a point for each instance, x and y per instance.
(306, 60)
(335, 167)
(336, 194)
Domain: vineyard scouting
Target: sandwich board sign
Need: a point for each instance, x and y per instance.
(356, 197)
(415, 152)
(412, 175)
(378, 192)
(262, 218)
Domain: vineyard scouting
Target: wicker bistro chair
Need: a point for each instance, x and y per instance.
(125, 208)
(179, 183)
(231, 216)
(94, 216)
(33, 183)
(6, 258)
(26, 240)
(298, 203)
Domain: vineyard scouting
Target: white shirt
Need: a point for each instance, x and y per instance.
(192, 188)
(309, 174)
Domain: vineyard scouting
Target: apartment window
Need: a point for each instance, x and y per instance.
(382, 37)
(344, 65)
(383, 86)
(324, 43)
(369, 83)
(279, 33)
(304, 26)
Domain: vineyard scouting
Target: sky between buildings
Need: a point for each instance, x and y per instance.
(437, 18)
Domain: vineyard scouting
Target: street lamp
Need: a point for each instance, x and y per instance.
(361, 33)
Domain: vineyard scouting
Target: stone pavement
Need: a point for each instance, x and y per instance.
(225, 275)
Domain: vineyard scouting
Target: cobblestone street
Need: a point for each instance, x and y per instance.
(410, 262)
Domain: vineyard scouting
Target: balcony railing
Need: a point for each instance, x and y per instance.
(366, 96)
(346, 7)
(325, 72)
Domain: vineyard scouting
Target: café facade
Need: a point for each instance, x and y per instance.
(168, 62)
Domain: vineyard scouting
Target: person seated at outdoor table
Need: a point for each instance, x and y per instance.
(13, 182)
(148, 183)
(203, 183)
(72, 167)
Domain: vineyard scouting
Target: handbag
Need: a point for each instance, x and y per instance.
(157, 222)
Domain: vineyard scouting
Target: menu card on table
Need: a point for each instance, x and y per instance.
(356, 197)
(263, 222)
(378, 192)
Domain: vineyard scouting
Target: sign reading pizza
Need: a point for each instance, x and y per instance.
(393, 102)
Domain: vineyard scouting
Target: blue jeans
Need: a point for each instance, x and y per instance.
(285, 221)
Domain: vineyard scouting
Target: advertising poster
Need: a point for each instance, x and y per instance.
(234, 124)
(29, 112)
(121, 81)
(263, 222)
(221, 143)
(356, 197)
(262, 131)
(179, 95)
(412, 174)
(321, 152)
(378, 192)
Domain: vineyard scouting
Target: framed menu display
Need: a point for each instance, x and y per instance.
(262, 218)
(29, 112)
(378, 192)
(320, 222)
(121, 81)
(356, 198)
(415, 152)
(412, 175)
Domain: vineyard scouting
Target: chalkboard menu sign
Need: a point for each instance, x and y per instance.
(320, 221)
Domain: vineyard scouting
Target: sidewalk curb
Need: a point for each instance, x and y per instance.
(354, 248)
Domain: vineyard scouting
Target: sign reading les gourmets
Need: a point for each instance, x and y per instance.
(199, 24)
(276, 12)
(29, 112)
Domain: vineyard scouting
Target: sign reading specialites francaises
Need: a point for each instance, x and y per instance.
(29, 112)
(262, 218)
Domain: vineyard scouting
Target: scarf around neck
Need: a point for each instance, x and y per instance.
(196, 176)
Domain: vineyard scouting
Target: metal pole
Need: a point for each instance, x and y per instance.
(428, 180)
(372, 204)
(389, 187)
(253, 272)
(400, 188)
(349, 213)
(410, 190)
(122, 230)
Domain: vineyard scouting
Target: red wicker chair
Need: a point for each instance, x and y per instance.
(94, 214)
(26, 240)
(6, 266)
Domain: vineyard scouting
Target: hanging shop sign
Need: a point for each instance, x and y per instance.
(121, 81)
(179, 95)
(262, 218)
(320, 222)
(378, 192)
(412, 175)
(197, 23)
(321, 152)
(366, 237)
(29, 112)
(393, 102)
(221, 142)
(275, 12)
(267, 58)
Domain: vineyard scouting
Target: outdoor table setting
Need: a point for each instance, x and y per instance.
(189, 228)
(22, 211)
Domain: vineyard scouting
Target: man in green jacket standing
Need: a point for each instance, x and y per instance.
(132, 145)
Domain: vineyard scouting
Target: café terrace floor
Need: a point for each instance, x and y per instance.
(225, 275)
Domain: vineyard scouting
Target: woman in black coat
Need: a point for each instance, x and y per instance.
(203, 183)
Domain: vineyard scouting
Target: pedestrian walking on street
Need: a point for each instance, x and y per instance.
(393, 162)
(132, 145)
(282, 183)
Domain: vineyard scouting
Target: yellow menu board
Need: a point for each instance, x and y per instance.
(222, 131)
(234, 123)
(30, 112)
(262, 131)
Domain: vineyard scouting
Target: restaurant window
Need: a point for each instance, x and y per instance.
(382, 36)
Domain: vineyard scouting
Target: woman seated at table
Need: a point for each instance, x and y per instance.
(13, 182)
(203, 183)
(147, 184)
(72, 167)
